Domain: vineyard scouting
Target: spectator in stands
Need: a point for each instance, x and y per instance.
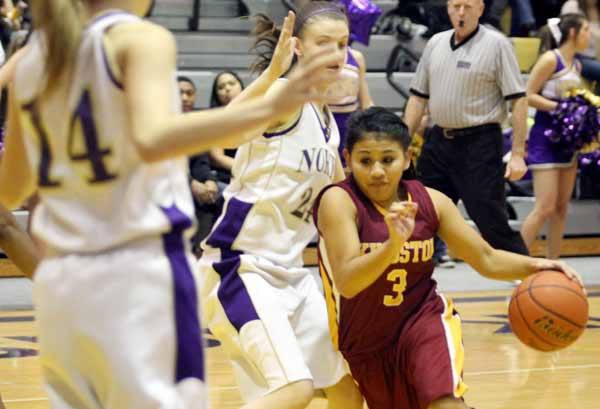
(226, 86)
(202, 182)
(590, 66)
(523, 20)
(11, 18)
(187, 93)
(467, 94)
(554, 169)
(545, 9)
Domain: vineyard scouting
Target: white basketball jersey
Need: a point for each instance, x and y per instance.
(96, 191)
(268, 205)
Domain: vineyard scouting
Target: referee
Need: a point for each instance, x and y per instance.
(466, 76)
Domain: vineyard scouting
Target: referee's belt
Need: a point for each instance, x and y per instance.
(451, 133)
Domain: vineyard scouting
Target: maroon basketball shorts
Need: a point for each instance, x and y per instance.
(425, 363)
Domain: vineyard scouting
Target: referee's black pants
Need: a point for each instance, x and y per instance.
(469, 167)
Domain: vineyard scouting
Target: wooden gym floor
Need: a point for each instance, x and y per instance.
(500, 371)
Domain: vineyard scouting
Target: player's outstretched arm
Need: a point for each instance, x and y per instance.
(17, 244)
(469, 246)
(147, 56)
(353, 271)
(280, 63)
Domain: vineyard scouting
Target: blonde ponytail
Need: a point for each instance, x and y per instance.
(60, 21)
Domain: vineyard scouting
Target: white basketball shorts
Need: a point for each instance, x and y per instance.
(120, 330)
(275, 331)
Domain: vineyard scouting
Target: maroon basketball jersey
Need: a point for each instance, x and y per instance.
(375, 317)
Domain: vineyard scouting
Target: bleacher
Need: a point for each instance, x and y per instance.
(222, 42)
(216, 15)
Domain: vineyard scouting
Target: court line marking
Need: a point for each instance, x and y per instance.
(506, 371)
(24, 400)
(222, 388)
(524, 370)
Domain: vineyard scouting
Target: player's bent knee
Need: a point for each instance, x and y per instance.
(297, 395)
(448, 402)
(345, 394)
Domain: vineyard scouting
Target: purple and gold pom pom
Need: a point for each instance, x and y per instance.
(575, 121)
(362, 14)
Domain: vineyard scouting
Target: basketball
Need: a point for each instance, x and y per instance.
(548, 311)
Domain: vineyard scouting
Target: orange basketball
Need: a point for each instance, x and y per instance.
(548, 311)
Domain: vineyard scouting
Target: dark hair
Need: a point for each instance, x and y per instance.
(267, 33)
(214, 98)
(379, 123)
(183, 78)
(567, 22)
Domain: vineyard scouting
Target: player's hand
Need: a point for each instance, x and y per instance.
(201, 193)
(284, 51)
(304, 81)
(557, 265)
(212, 189)
(515, 168)
(400, 221)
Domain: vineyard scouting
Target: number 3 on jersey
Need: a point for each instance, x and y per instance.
(398, 277)
(91, 152)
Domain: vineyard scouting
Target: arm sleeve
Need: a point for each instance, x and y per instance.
(419, 86)
(200, 168)
(508, 71)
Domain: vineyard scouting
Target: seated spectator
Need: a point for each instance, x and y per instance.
(207, 199)
(226, 86)
(545, 9)
(11, 19)
(590, 66)
(522, 21)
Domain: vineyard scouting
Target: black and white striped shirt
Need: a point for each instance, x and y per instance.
(468, 84)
